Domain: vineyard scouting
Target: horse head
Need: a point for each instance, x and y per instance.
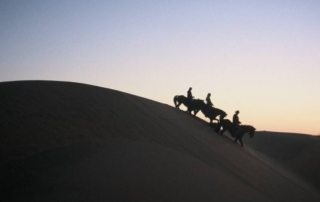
(249, 129)
(222, 115)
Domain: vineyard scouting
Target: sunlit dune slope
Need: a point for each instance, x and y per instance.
(73, 142)
(298, 152)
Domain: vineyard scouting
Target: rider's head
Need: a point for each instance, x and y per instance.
(190, 88)
(237, 112)
(209, 94)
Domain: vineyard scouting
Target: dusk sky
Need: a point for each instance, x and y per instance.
(259, 57)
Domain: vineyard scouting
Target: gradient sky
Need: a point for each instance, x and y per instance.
(261, 57)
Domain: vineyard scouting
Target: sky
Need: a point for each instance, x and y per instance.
(259, 57)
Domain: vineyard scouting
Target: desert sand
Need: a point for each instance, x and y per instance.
(64, 141)
(298, 153)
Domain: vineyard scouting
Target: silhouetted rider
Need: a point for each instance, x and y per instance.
(209, 103)
(235, 119)
(189, 94)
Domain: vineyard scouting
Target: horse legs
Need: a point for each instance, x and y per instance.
(189, 111)
(240, 140)
(178, 104)
(222, 131)
(235, 140)
(216, 128)
(212, 118)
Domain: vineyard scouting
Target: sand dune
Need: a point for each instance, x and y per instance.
(299, 153)
(73, 142)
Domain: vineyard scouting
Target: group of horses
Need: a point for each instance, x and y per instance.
(196, 105)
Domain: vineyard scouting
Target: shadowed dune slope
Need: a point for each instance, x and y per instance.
(297, 152)
(65, 141)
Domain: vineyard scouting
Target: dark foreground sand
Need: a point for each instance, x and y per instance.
(72, 142)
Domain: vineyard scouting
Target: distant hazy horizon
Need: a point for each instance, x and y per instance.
(259, 57)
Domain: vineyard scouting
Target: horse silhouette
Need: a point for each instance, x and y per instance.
(208, 111)
(196, 105)
(189, 103)
(236, 131)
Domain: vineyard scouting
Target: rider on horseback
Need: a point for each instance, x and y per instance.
(209, 103)
(189, 96)
(235, 119)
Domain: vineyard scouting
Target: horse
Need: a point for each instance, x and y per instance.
(210, 112)
(236, 131)
(197, 105)
(189, 103)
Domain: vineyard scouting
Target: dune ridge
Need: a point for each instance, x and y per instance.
(76, 142)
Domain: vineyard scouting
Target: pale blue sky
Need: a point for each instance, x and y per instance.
(261, 57)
